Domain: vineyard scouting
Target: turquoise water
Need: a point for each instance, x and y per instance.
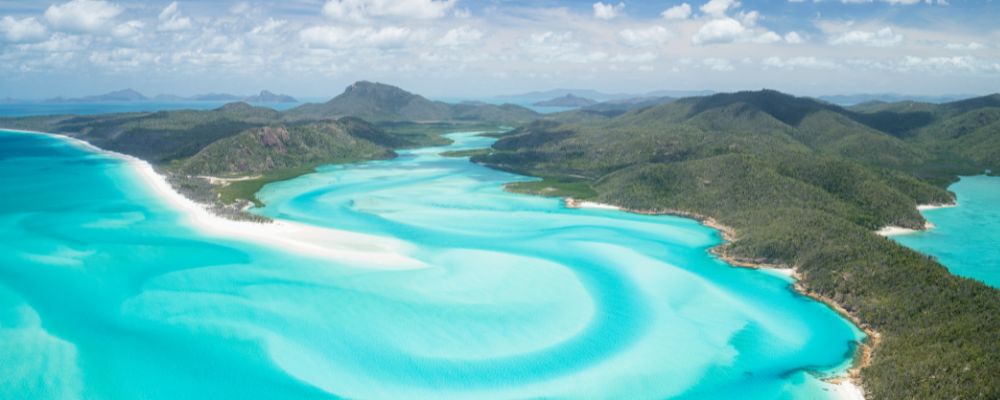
(966, 239)
(105, 293)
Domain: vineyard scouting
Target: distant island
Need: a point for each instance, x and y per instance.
(598, 96)
(568, 100)
(126, 95)
(854, 99)
(268, 97)
(130, 95)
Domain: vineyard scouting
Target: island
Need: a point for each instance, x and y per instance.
(132, 96)
(568, 100)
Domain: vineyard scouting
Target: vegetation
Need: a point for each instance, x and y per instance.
(804, 183)
(379, 102)
(555, 187)
(247, 189)
(282, 147)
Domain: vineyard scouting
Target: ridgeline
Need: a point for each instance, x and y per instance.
(804, 183)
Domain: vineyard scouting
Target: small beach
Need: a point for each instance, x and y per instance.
(295, 237)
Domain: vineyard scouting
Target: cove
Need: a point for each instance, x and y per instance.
(107, 293)
(965, 238)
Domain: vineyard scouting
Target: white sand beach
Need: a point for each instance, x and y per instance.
(847, 390)
(896, 230)
(574, 203)
(351, 248)
(925, 207)
(600, 206)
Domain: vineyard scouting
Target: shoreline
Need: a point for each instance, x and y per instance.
(339, 245)
(297, 238)
(892, 230)
(846, 386)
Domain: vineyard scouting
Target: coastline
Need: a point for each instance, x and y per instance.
(367, 250)
(892, 230)
(845, 387)
(348, 246)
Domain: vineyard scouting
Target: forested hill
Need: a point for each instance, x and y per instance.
(380, 102)
(804, 183)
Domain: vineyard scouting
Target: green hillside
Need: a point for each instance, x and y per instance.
(378, 102)
(270, 148)
(803, 183)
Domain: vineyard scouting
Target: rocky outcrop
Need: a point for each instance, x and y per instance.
(273, 137)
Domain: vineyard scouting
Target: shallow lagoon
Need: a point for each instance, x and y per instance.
(106, 293)
(966, 238)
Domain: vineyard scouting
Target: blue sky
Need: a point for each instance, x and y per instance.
(469, 48)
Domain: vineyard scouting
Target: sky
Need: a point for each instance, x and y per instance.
(479, 48)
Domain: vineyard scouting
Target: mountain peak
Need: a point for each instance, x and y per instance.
(266, 96)
(785, 107)
(368, 88)
(373, 101)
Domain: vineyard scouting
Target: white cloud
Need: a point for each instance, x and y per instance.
(552, 47)
(965, 46)
(678, 12)
(122, 59)
(723, 30)
(239, 8)
(548, 45)
(765, 37)
(22, 30)
(962, 65)
(717, 64)
(794, 38)
(461, 36)
(58, 43)
(718, 8)
(948, 64)
(607, 11)
(269, 26)
(890, 2)
(363, 10)
(82, 15)
(551, 38)
(332, 37)
(634, 58)
(171, 19)
(798, 62)
(128, 29)
(651, 36)
(730, 30)
(884, 37)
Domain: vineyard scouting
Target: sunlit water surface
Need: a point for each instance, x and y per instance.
(105, 293)
(966, 238)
